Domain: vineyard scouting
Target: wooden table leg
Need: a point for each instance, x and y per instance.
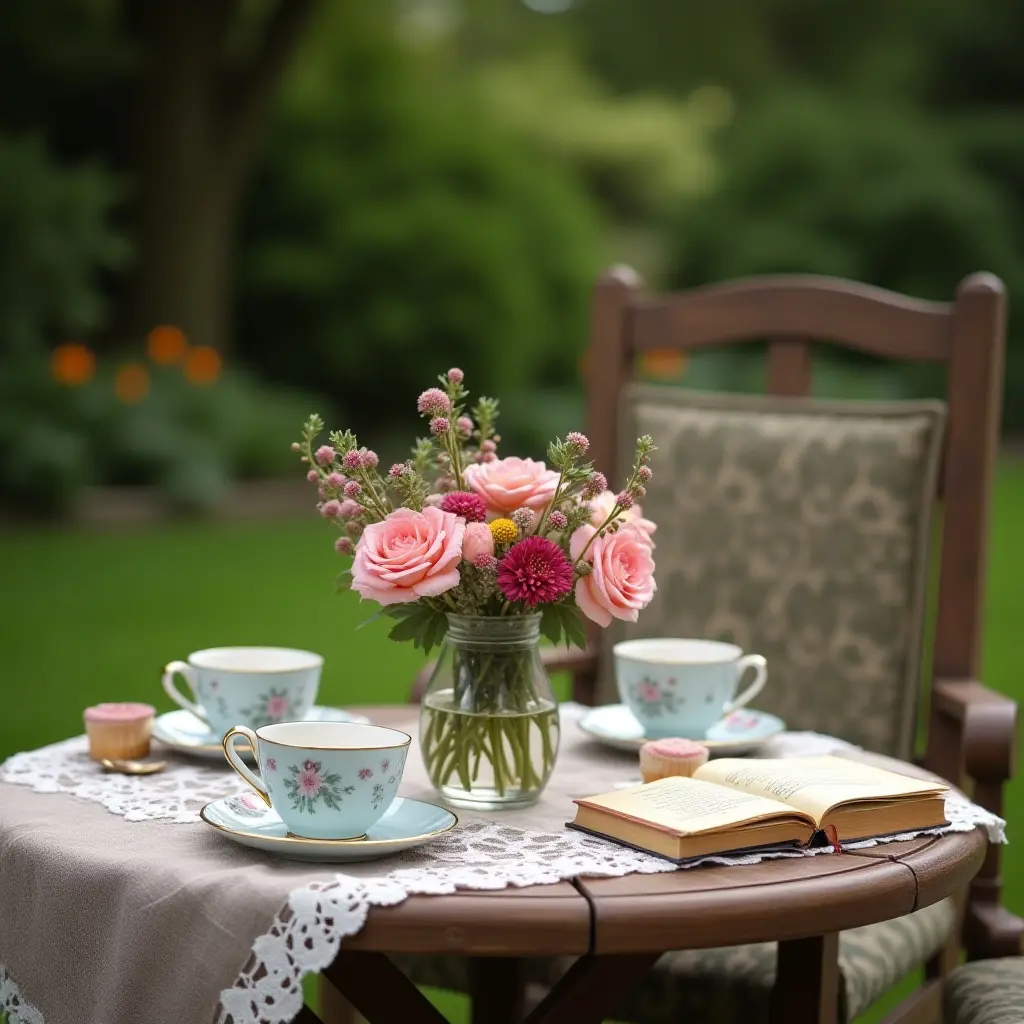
(334, 1007)
(592, 988)
(379, 990)
(497, 988)
(807, 981)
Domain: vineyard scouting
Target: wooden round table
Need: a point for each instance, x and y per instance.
(619, 927)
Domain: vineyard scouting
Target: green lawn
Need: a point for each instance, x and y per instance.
(93, 616)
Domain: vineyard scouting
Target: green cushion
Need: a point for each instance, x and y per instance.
(799, 530)
(986, 992)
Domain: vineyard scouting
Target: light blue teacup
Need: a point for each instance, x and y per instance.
(683, 687)
(254, 686)
(324, 780)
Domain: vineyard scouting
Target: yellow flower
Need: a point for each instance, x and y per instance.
(504, 531)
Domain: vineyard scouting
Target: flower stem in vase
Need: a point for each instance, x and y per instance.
(489, 722)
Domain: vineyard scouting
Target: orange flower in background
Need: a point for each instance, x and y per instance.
(166, 345)
(131, 384)
(203, 365)
(663, 363)
(72, 365)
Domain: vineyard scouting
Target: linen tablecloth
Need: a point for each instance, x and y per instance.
(109, 920)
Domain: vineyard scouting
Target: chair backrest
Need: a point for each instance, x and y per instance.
(793, 314)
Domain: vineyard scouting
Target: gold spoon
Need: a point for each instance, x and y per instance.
(117, 764)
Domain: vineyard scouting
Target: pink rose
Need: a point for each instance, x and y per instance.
(508, 484)
(621, 580)
(605, 502)
(409, 555)
(478, 541)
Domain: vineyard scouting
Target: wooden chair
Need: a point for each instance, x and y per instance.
(949, 450)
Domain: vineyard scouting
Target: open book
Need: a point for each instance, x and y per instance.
(735, 804)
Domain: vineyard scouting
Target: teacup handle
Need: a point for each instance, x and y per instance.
(182, 668)
(228, 743)
(760, 667)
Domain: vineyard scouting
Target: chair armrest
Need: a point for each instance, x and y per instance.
(982, 724)
(556, 659)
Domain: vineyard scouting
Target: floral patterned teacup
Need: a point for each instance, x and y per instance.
(683, 687)
(324, 780)
(253, 686)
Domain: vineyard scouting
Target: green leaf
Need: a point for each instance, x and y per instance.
(411, 627)
(379, 614)
(551, 623)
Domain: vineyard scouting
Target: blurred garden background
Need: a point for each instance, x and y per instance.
(220, 215)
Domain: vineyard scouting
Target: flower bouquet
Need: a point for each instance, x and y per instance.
(485, 554)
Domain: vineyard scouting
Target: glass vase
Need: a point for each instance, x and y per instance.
(489, 726)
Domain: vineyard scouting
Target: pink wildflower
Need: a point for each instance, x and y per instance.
(558, 520)
(624, 500)
(525, 518)
(455, 375)
(352, 460)
(470, 506)
(336, 480)
(488, 446)
(312, 476)
(343, 545)
(433, 402)
(349, 508)
(324, 455)
(644, 474)
(352, 488)
(369, 457)
(397, 470)
(489, 457)
(485, 562)
(330, 509)
(579, 441)
(595, 485)
(535, 571)
(464, 425)
(439, 425)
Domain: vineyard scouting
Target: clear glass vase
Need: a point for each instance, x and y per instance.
(489, 719)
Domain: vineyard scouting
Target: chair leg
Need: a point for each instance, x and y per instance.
(334, 1007)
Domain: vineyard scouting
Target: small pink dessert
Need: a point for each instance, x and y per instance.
(660, 759)
(118, 730)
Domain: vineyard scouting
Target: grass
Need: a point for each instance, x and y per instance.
(86, 617)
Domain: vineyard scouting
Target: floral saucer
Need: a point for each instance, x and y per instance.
(406, 824)
(182, 731)
(738, 733)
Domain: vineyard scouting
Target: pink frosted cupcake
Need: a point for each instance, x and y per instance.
(661, 758)
(118, 730)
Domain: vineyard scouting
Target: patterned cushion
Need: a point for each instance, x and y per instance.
(734, 983)
(797, 529)
(986, 992)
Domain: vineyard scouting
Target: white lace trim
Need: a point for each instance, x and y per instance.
(176, 794)
(13, 1004)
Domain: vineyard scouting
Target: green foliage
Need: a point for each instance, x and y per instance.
(421, 623)
(884, 194)
(190, 442)
(57, 242)
(562, 622)
(394, 216)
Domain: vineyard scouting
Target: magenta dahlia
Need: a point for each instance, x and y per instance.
(470, 506)
(535, 571)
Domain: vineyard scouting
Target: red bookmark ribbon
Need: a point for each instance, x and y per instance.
(832, 835)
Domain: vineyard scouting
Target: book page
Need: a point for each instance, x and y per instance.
(685, 806)
(814, 784)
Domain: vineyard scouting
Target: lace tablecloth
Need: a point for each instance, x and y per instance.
(102, 917)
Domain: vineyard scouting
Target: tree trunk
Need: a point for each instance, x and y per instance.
(198, 119)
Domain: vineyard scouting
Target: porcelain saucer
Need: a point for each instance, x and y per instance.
(182, 731)
(406, 824)
(738, 733)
